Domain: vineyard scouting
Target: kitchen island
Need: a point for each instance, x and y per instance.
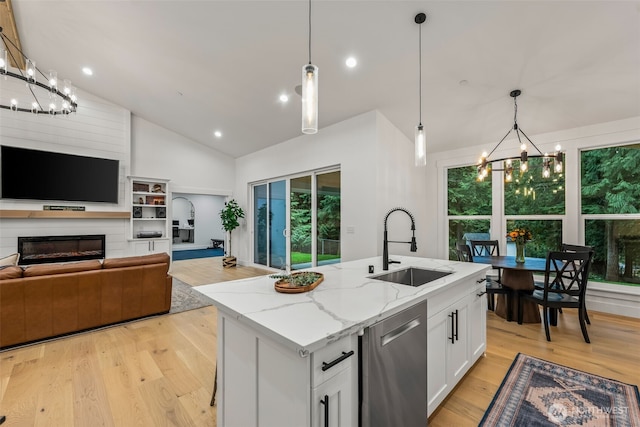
(274, 349)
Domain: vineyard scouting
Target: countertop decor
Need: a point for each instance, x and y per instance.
(297, 282)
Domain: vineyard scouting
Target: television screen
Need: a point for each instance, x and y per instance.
(43, 175)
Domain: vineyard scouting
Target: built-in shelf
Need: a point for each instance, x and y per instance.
(10, 213)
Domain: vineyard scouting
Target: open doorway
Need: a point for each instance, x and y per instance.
(196, 222)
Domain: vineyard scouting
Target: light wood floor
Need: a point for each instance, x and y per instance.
(160, 371)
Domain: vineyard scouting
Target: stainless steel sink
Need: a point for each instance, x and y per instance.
(411, 276)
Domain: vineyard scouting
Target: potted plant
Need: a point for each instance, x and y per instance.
(229, 216)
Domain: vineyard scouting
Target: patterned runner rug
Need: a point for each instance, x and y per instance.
(540, 393)
(184, 297)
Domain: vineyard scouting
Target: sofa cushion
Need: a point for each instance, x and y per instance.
(72, 267)
(136, 260)
(10, 272)
(10, 260)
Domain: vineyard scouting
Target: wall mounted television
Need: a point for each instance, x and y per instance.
(43, 175)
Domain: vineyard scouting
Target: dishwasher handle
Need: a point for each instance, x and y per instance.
(333, 363)
(399, 331)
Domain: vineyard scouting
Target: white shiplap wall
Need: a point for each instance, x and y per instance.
(98, 129)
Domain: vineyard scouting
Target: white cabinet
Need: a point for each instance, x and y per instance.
(334, 402)
(149, 227)
(262, 380)
(478, 321)
(151, 246)
(456, 337)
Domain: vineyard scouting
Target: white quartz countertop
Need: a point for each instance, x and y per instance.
(346, 302)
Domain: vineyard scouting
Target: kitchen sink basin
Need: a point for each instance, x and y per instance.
(411, 276)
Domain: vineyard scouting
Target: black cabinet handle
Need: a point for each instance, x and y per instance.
(481, 293)
(333, 363)
(481, 280)
(325, 402)
(452, 337)
(456, 325)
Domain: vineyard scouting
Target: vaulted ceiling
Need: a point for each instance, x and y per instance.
(198, 66)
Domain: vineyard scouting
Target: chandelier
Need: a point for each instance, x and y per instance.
(51, 97)
(547, 159)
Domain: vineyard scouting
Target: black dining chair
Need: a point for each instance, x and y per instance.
(488, 248)
(493, 287)
(565, 286)
(569, 247)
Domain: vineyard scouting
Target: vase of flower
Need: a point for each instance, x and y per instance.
(520, 252)
(520, 236)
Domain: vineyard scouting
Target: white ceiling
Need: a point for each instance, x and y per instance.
(197, 66)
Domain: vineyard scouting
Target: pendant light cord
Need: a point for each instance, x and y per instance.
(420, 69)
(515, 112)
(310, 32)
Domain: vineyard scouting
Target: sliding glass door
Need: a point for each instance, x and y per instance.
(288, 213)
(269, 219)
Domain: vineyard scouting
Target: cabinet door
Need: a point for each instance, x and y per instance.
(447, 351)
(478, 323)
(146, 247)
(142, 247)
(438, 327)
(458, 350)
(160, 246)
(333, 404)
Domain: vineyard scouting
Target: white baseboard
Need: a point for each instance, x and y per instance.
(614, 299)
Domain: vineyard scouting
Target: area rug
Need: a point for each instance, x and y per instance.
(540, 393)
(196, 253)
(184, 297)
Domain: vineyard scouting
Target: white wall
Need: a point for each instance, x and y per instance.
(98, 129)
(191, 167)
(367, 192)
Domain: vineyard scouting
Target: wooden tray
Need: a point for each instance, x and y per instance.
(287, 288)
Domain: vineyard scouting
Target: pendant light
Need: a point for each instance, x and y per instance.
(420, 141)
(309, 92)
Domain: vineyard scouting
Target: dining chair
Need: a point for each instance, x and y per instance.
(565, 285)
(569, 247)
(493, 287)
(488, 248)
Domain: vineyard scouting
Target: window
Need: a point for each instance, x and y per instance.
(531, 194)
(469, 207)
(610, 203)
(604, 209)
(546, 236)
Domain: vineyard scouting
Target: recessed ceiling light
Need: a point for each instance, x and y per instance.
(284, 98)
(88, 71)
(351, 62)
(217, 134)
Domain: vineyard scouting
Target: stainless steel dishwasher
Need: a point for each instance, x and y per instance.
(393, 370)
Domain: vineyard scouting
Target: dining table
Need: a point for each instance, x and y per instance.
(516, 277)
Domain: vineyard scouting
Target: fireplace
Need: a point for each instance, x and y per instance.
(44, 249)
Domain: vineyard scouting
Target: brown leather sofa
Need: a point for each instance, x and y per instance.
(48, 300)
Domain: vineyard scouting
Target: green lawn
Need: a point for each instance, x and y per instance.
(300, 257)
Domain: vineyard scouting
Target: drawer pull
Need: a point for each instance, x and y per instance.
(325, 402)
(331, 364)
(481, 280)
(481, 293)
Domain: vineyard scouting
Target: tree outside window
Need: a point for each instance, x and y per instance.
(610, 190)
(468, 199)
